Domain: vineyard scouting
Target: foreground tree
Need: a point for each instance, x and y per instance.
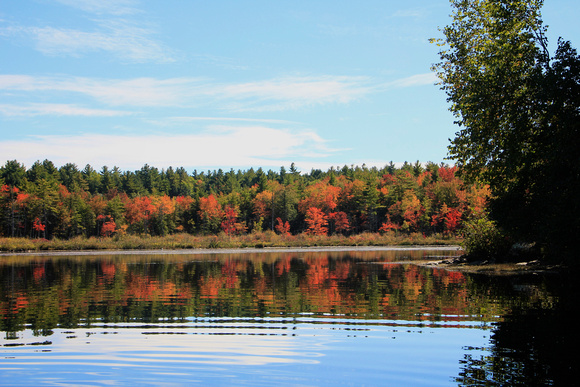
(518, 110)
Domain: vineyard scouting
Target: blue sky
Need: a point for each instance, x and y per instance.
(227, 84)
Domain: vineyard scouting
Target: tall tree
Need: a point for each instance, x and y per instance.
(490, 59)
(518, 113)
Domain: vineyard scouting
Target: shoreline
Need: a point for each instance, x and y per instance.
(185, 241)
(237, 250)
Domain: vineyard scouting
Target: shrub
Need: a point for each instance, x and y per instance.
(483, 240)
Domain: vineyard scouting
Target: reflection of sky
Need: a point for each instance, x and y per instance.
(309, 352)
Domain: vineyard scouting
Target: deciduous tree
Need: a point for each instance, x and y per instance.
(317, 221)
(518, 110)
(210, 214)
(283, 228)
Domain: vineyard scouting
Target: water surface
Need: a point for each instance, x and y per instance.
(307, 317)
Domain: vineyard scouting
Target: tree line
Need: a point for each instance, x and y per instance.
(44, 201)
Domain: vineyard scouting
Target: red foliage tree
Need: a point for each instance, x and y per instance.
(447, 173)
(109, 227)
(449, 217)
(452, 219)
(229, 224)
(38, 226)
(389, 225)
(340, 219)
(283, 228)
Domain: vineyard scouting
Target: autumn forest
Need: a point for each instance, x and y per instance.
(46, 202)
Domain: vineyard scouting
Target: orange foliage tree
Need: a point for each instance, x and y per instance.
(138, 213)
(410, 210)
(262, 204)
(210, 214)
(320, 195)
(317, 222)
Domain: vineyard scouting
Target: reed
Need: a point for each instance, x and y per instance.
(222, 240)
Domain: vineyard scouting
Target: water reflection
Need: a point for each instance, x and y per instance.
(69, 292)
(323, 313)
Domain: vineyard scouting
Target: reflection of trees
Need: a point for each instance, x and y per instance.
(49, 293)
(535, 344)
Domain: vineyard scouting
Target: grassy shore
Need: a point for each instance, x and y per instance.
(187, 241)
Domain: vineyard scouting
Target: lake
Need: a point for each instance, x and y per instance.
(309, 317)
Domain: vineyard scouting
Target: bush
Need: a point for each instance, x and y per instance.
(483, 240)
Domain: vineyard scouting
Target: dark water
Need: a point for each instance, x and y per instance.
(280, 318)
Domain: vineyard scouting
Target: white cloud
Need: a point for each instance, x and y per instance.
(294, 92)
(267, 95)
(37, 109)
(278, 94)
(133, 92)
(244, 146)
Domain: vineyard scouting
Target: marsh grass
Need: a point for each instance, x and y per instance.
(252, 240)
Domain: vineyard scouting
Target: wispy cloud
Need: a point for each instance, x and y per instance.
(267, 95)
(294, 92)
(41, 109)
(122, 38)
(110, 28)
(113, 7)
(133, 92)
(246, 146)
